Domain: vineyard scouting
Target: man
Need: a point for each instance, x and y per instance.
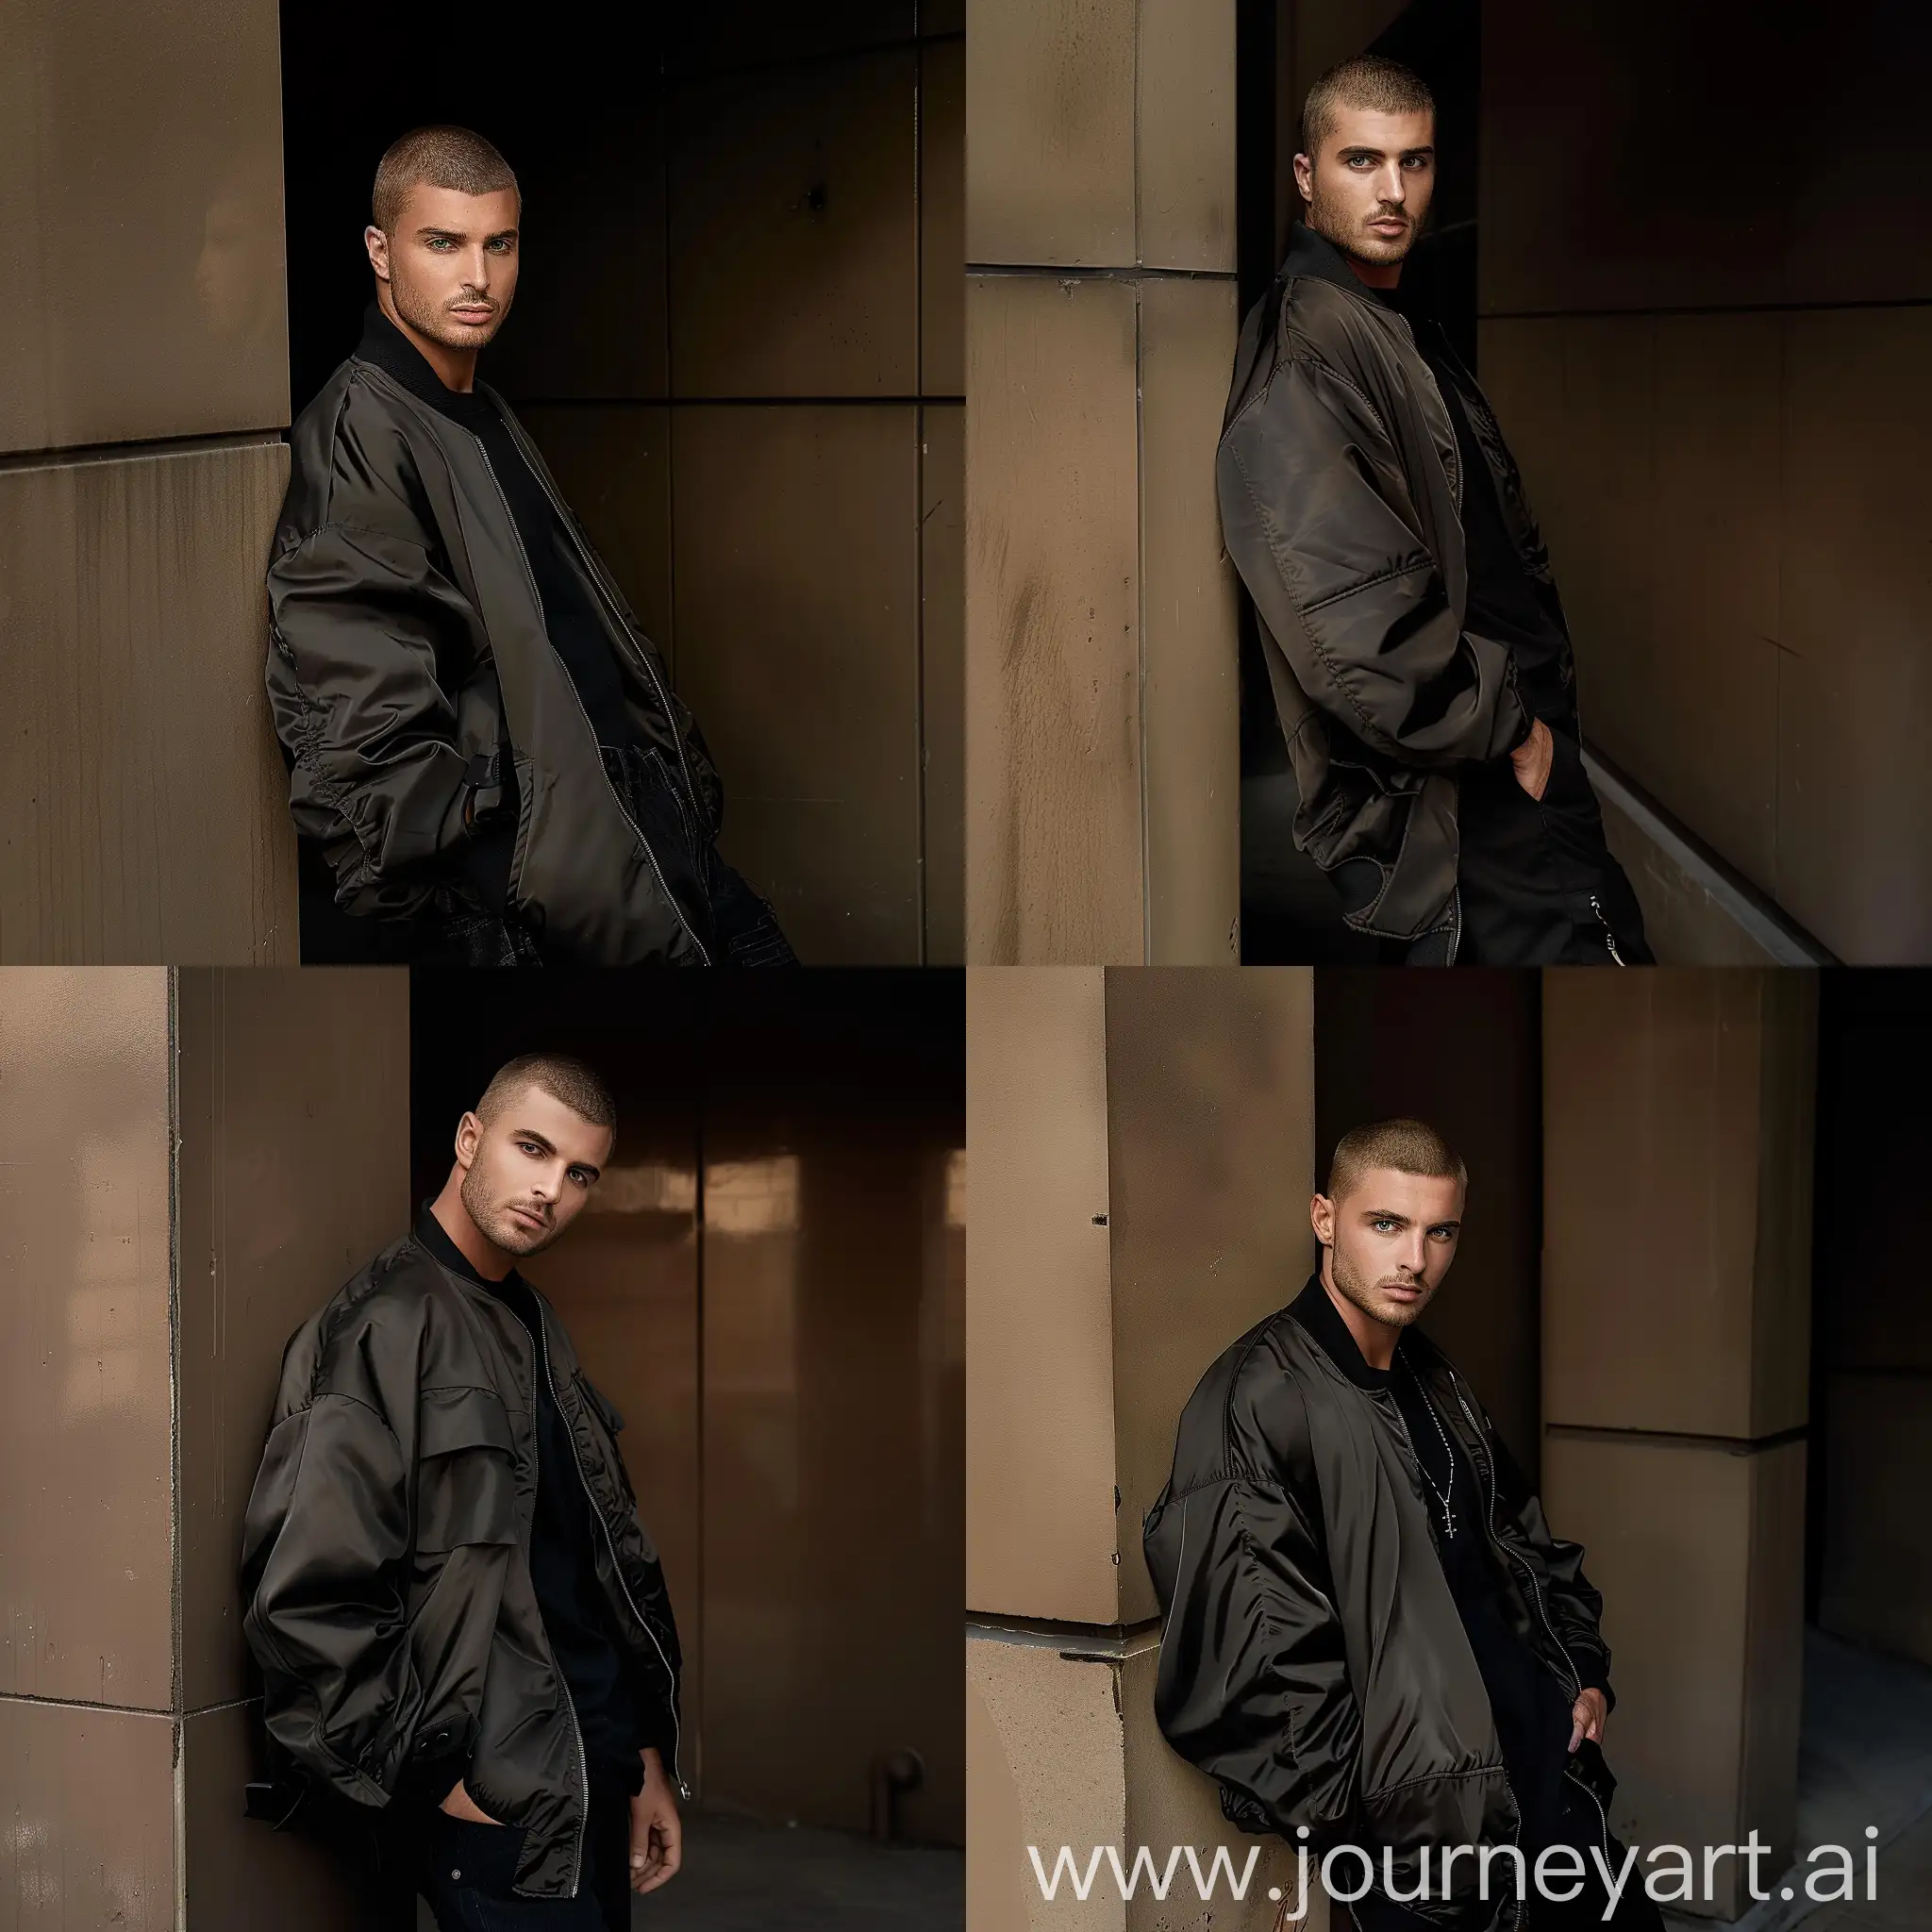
(1415, 642)
(1373, 1639)
(485, 752)
(469, 1663)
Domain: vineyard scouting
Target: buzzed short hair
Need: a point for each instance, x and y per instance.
(440, 157)
(1407, 1146)
(561, 1076)
(1386, 87)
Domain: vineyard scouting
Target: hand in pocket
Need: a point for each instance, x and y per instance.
(1532, 758)
(459, 1804)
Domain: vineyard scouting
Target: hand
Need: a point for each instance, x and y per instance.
(1588, 1717)
(459, 1804)
(1532, 758)
(657, 1832)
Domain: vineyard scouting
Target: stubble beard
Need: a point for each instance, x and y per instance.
(1345, 229)
(495, 1221)
(428, 319)
(1359, 1288)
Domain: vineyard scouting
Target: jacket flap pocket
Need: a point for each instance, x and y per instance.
(466, 1469)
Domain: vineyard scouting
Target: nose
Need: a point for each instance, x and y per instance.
(1415, 1256)
(1395, 189)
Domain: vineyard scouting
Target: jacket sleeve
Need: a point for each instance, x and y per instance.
(1576, 1608)
(1315, 513)
(1253, 1684)
(326, 1543)
(356, 618)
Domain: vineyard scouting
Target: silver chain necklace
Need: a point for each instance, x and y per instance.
(1443, 1495)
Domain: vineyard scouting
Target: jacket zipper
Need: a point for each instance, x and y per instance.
(1402, 1423)
(576, 1857)
(601, 578)
(1596, 906)
(1536, 1597)
(617, 1568)
(637, 831)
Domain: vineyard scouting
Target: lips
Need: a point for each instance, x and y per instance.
(529, 1220)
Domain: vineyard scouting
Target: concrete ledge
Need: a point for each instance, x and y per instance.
(1697, 910)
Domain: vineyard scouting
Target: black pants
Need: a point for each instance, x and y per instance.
(466, 1868)
(1538, 883)
(1580, 1825)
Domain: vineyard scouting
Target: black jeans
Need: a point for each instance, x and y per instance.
(466, 1870)
(1580, 1824)
(1538, 883)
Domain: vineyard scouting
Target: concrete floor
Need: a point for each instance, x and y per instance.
(1865, 1758)
(741, 1875)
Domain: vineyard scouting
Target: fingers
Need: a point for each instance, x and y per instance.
(1575, 1732)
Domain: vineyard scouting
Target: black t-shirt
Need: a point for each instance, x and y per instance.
(602, 1681)
(1530, 1707)
(1502, 600)
(571, 619)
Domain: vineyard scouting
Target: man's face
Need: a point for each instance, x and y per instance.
(528, 1172)
(1368, 191)
(451, 265)
(1391, 1241)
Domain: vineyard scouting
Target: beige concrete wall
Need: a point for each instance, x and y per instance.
(1678, 1110)
(755, 407)
(143, 381)
(1101, 754)
(208, 1156)
(1143, 1152)
(1732, 522)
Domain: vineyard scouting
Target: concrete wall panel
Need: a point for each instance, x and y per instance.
(943, 219)
(1041, 1539)
(797, 593)
(943, 680)
(140, 192)
(613, 463)
(1185, 135)
(89, 1799)
(1053, 615)
(293, 1113)
(1669, 1088)
(1188, 331)
(1211, 1093)
(144, 797)
(233, 1863)
(833, 1386)
(1698, 1553)
(1050, 138)
(86, 1511)
(591, 319)
(1855, 785)
(794, 249)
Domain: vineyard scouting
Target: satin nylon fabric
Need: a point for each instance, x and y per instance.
(1313, 1659)
(385, 1564)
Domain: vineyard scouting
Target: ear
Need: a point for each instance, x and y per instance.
(1322, 1219)
(377, 245)
(1305, 177)
(469, 1138)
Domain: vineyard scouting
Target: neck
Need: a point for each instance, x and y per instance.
(455, 368)
(1376, 1339)
(492, 1263)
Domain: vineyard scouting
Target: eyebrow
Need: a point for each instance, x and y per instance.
(1390, 1214)
(1381, 154)
(435, 234)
